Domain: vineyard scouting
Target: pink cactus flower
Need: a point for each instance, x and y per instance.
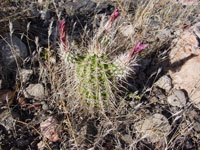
(63, 33)
(137, 48)
(113, 17)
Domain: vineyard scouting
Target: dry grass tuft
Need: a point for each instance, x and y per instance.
(83, 81)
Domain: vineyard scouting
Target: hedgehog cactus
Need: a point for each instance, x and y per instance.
(95, 72)
(94, 75)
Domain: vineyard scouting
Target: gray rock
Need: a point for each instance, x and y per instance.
(177, 99)
(164, 83)
(25, 74)
(44, 106)
(155, 127)
(35, 91)
(6, 55)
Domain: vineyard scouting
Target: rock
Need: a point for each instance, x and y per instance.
(35, 91)
(6, 56)
(155, 127)
(164, 83)
(44, 106)
(177, 99)
(185, 65)
(161, 96)
(49, 129)
(26, 74)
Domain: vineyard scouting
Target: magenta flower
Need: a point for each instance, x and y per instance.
(63, 32)
(137, 48)
(113, 17)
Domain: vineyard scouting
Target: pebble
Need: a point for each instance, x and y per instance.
(177, 99)
(45, 106)
(26, 74)
(35, 90)
(164, 83)
(155, 127)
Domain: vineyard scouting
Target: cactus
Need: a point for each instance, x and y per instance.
(95, 72)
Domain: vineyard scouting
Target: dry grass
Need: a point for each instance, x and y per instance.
(150, 20)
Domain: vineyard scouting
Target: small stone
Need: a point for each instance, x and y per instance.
(155, 127)
(177, 99)
(161, 96)
(45, 106)
(164, 83)
(50, 129)
(35, 90)
(26, 74)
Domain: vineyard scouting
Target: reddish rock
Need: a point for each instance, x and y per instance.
(185, 68)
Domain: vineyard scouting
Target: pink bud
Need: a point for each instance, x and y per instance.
(137, 48)
(113, 17)
(63, 32)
